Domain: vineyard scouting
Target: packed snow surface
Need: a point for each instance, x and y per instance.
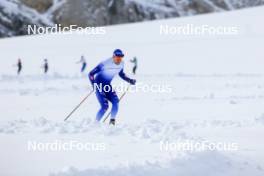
(216, 95)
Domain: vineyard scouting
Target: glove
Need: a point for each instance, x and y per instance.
(132, 81)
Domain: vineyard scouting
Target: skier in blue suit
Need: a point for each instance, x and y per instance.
(103, 75)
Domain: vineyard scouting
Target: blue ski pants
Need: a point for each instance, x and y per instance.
(103, 98)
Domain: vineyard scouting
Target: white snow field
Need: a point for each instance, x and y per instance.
(217, 97)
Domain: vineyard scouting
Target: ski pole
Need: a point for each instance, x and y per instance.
(121, 97)
(78, 106)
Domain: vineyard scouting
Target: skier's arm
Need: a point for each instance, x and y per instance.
(96, 70)
(124, 77)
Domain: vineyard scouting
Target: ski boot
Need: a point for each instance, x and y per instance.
(112, 122)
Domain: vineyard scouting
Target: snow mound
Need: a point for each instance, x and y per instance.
(42, 125)
(147, 129)
(200, 163)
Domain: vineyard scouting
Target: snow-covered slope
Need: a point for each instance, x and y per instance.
(15, 16)
(217, 96)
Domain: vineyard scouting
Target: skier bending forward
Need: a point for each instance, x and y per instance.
(103, 75)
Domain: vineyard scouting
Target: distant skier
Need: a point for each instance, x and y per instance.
(84, 64)
(46, 66)
(19, 66)
(103, 75)
(135, 65)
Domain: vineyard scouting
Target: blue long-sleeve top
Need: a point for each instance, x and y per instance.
(106, 71)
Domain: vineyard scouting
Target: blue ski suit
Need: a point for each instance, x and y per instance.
(103, 74)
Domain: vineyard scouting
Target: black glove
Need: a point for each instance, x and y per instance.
(132, 81)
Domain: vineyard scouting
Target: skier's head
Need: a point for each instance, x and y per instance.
(118, 55)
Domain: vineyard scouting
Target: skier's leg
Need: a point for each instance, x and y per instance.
(46, 69)
(134, 70)
(104, 105)
(112, 97)
(83, 68)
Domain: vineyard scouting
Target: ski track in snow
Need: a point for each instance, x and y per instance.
(148, 129)
(45, 84)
